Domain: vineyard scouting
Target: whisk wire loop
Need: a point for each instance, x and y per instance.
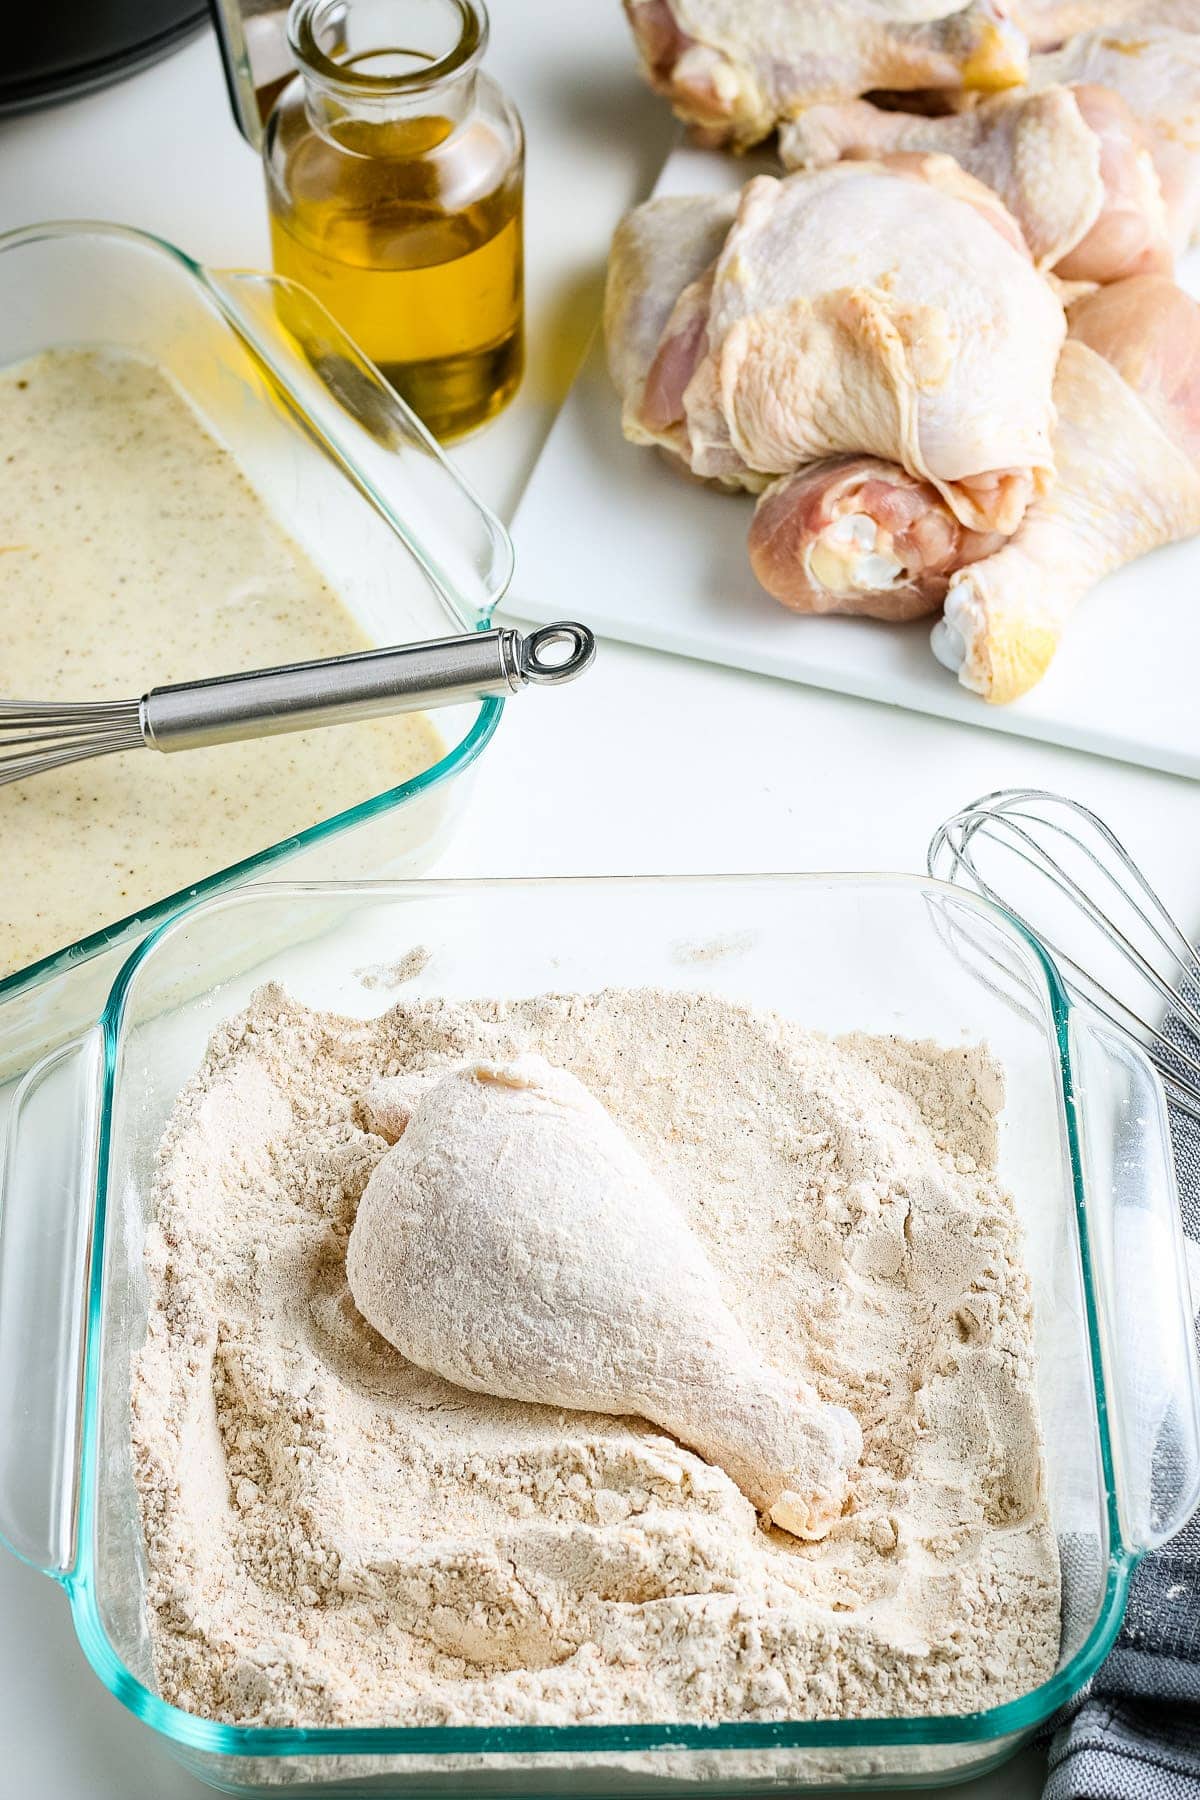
(1038, 831)
(36, 736)
(1043, 864)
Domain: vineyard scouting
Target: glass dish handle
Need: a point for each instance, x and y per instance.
(344, 400)
(46, 1209)
(1136, 1242)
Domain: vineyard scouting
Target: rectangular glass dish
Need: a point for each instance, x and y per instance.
(340, 463)
(1084, 1150)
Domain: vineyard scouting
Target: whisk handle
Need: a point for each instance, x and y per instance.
(370, 684)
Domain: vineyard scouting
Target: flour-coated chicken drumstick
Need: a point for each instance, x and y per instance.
(514, 1242)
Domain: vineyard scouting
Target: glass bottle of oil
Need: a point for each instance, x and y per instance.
(395, 171)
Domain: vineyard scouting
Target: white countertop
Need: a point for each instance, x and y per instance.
(650, 764)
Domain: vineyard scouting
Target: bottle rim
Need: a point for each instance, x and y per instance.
(306, 18)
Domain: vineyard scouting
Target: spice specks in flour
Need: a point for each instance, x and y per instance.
(334, 1537)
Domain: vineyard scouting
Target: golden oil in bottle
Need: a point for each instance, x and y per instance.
(394, 180)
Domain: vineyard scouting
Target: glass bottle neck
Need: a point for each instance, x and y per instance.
(377, 62)
(330, 105)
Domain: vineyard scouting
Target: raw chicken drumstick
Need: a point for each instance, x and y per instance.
(514, 1242)
(1071, 164)
(892, 311)
(1128, 451)
(735, 68)
(858, 535)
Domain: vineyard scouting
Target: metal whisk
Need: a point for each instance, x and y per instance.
(1070, 881)
(36, 736)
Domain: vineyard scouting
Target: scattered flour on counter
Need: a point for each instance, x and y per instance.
(334, 1537)
(395, 974)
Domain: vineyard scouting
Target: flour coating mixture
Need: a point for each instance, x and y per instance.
(334, 1537)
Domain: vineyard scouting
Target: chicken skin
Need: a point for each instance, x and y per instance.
(1049, 23)
(737, 68)
(891, 311)
(1155, 69)
(1071, 163)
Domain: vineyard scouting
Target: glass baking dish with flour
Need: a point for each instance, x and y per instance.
(340, 463)
(1084, 1150)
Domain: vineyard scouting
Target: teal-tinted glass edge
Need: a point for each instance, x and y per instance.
(457, 758)
(59, 962)
(1016, 1719)
(237, 874)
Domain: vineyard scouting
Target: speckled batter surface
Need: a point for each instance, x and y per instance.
(133, 553)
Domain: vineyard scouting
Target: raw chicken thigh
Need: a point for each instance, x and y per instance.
(1072, 165)
(1048, 23)
(1128, 451)
(514, 1242)
(1156, 71)
(892, 311)
(1097, 159)
(736, 68)
(659, 249)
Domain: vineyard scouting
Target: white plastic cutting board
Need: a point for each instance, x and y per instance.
(608, 534)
